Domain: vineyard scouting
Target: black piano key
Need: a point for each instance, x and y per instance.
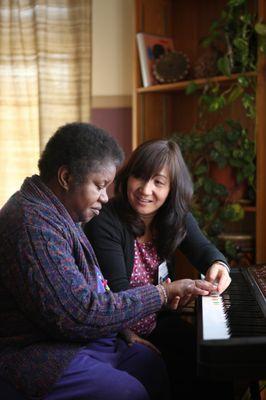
(245, 320)
(242, 312)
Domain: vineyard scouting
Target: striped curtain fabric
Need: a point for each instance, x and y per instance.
(45, 79)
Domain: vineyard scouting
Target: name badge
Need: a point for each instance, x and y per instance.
(162, 272)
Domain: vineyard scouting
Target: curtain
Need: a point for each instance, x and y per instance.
(45, 79)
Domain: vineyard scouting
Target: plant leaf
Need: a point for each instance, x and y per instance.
(235, 93)
(191, 88)
(223, 65)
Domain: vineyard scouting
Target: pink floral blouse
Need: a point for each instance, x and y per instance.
(145, 270)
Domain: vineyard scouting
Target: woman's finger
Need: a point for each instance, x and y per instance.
(174, 303)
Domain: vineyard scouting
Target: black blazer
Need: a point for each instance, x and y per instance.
(113, 244)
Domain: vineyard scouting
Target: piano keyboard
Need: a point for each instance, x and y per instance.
(214, 319)
(235, 313)
(232, 327)
(243, 308)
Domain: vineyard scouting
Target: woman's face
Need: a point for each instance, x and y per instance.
(146, 197)
(84, 201)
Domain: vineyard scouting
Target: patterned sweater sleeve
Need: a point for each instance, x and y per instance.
(58, 291)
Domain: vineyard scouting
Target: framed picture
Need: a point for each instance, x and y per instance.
(150, 48)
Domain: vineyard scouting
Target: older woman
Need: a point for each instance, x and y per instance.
(58, 318)
(135, 240)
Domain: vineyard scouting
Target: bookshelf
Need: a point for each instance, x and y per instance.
(182, 85)
(162, 109)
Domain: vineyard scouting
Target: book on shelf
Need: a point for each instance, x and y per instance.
(150, 48)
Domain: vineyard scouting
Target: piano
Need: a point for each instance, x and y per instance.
(232, 328)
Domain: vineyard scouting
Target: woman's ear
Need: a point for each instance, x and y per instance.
(63, 177)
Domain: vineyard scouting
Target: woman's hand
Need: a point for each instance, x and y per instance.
(218, 274)
(186, 290)
(131, 337)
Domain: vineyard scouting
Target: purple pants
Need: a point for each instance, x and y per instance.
(109, 369)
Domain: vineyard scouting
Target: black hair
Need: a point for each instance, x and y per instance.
(168, 225)
(81, 147)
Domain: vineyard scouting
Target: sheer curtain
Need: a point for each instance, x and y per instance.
(45, 79)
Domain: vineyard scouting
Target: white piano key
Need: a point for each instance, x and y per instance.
(213, 318)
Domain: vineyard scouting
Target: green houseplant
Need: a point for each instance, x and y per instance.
(216, 203)
(226, 145)
(234, 38)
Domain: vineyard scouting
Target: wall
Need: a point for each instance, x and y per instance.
(112, 40)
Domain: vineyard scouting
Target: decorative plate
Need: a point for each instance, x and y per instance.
(171, 67)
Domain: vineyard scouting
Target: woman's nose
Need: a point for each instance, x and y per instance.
(146, 187)
(103, 196)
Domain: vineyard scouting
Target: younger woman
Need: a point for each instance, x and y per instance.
(140, 230)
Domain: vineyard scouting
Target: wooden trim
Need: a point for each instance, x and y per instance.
(111, 101)
(139, 26)
(261, 150)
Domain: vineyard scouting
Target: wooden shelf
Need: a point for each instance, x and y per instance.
(178, 86)
(235, 236)
(249, 209)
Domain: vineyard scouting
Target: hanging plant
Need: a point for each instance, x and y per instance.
(233, 34)
(215, 97)
(233, 39)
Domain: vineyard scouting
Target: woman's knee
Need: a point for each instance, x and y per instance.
(149, 368)
(151, 361)
(124, 387)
